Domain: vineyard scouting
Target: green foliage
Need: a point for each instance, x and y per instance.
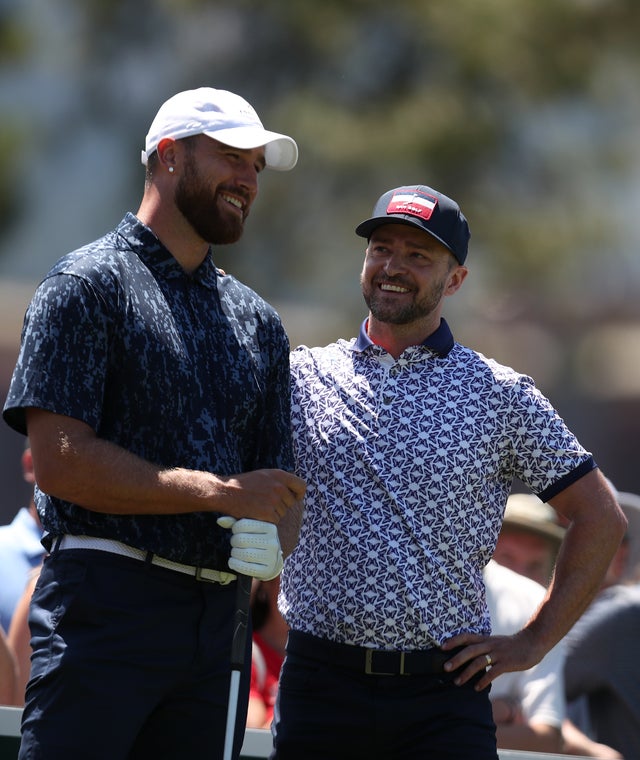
(520, 109)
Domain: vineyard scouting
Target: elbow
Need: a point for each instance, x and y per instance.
(58, 449)
(48, 479)
(53, 470)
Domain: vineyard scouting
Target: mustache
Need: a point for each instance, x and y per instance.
(237, 191)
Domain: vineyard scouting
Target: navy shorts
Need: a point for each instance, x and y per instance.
(130, 661)
(323, 711)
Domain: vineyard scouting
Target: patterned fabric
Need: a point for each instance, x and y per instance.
(408, 466)
(184, 371)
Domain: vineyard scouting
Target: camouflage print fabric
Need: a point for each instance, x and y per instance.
(183, 370)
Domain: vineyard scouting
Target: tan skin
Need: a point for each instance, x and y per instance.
(403, 266)
(8, 672)
(227, 167)
(19, 637)
(73, 463)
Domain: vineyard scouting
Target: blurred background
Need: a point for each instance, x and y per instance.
(527, 112)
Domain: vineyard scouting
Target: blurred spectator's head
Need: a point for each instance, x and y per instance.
(530, 538)
(630, 548)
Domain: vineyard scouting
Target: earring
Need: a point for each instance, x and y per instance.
(171, 170)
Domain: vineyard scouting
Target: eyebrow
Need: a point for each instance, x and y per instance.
(431, 245)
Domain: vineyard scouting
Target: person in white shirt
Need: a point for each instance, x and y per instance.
(528, 705)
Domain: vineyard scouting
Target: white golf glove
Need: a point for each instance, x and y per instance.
(255, 547)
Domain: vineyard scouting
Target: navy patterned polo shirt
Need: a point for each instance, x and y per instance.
(408, 465)
(182, 370)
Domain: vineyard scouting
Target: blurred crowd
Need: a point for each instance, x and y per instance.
(582, 699)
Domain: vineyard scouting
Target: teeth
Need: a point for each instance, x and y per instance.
(233, 201)
(393, 288)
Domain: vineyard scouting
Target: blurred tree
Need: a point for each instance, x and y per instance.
(523, 114)
(526, 112)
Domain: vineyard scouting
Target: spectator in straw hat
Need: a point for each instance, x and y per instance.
(528, 544)
(529, 538)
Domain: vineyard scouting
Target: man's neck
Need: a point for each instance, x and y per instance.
(175, 233)
(397, 338)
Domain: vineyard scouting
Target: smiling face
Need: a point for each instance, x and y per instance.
(406, 275)
(216, 188)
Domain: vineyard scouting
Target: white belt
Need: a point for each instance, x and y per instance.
(116, 547)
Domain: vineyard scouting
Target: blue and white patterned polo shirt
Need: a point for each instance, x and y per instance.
(183, 370)
(408, 465)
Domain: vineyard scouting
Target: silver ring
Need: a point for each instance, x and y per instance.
(487, 657)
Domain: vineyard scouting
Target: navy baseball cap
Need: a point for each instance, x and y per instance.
(423, 207)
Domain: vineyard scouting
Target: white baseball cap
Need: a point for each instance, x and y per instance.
(225, 117)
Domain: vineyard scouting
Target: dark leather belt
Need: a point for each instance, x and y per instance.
(373, 662)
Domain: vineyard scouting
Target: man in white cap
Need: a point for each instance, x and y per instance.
(154, 389)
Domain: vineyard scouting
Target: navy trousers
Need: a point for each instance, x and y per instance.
(332, 712)
(130, 662)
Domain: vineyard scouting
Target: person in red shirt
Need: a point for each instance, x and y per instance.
(269, 639)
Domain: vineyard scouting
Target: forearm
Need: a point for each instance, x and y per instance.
(104, 477)
(8, 672)
(72, 463)
(19, 639)
(529, 736)
(590, 543)
(597, 525)
(574, 742)
(289, 528)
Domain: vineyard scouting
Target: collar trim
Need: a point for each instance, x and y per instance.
(440, 342)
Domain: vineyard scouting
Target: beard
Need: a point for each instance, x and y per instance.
(198, 204)
(385, 307)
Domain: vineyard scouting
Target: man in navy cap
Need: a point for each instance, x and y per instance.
(409, 443)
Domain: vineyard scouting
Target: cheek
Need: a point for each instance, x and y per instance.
(365, 274)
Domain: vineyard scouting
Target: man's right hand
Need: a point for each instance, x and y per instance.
(260, 494)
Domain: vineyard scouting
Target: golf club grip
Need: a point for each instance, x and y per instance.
(241, 620)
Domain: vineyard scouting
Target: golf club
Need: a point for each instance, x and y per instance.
(238, 645)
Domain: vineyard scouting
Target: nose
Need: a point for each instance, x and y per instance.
(248, 179)
(394, 264)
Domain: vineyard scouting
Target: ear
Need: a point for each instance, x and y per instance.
(456, 278)
(167, 153)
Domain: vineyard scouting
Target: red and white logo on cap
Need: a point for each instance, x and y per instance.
(416, 204)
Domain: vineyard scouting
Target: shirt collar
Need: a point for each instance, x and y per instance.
(440, 342)
(152, 252)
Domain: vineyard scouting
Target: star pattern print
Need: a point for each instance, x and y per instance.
(408, 466)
